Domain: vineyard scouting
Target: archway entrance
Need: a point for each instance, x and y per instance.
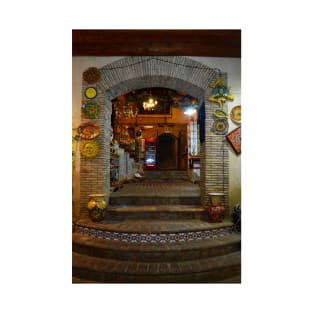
(167, 152)
(178, 73)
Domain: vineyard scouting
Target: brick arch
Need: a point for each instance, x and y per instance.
(180, 73)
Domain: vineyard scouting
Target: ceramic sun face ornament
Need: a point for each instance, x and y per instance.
(220, 93)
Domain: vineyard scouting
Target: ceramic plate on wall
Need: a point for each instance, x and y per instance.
(89, 148)
(90, 92)
(235, 114)
(89, 130)
(91, 75)
(220, 126)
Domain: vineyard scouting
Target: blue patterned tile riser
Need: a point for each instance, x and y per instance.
(153, 238)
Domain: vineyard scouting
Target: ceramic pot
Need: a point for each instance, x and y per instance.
(96, 207)
(216, 209)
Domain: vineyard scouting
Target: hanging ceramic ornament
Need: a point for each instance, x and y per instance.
(91, 75)
(89, 148)
(220, 93)
(220, 114)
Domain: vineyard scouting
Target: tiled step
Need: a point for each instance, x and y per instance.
(105, 270)
(155, 252)
(157, 212)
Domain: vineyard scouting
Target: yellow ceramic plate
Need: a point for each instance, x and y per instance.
(235, 114)
(89, 148)
(90, 92)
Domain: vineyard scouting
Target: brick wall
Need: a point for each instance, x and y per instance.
(178, 73)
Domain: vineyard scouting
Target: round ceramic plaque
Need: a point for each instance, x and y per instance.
(220, 126)
(235, 114)
(89, 130)
(90, 92)
(91, 75)
(89, 148)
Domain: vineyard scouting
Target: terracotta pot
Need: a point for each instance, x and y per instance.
(216, 209)
(97, 207)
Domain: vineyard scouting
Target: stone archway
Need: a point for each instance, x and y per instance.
(178, 73)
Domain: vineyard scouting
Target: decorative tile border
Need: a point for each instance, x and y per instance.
(154, 238)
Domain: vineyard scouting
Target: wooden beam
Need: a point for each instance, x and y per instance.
(214, 43)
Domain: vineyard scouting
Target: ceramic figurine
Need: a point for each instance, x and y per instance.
(220, 93)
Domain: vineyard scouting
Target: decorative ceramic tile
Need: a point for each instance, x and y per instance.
(153, 238)
(90, 109)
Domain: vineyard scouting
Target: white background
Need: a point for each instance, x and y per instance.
(35, 166)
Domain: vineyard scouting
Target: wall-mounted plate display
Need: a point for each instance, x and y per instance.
(90, 92)
(91, 75)
(235, 114)
(90, 109)
(220, 126)
(89, 130)
(89, 148)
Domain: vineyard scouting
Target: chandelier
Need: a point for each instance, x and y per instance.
(150, 104)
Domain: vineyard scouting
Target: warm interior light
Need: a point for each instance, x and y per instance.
(190, 112)
(150, 105)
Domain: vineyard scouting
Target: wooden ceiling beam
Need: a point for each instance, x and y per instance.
(214, 43)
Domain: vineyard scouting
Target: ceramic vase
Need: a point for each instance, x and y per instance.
(96, 207)
(216, 208)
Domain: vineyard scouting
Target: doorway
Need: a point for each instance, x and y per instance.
(167, 152)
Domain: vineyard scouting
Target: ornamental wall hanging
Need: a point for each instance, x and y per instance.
(234, 138)
(89, 130)
(220, 126)
(235, 114)
(90, 92)
(220, 93)
(91, 75)
(220, 114)
(89, 148)
(90, 109)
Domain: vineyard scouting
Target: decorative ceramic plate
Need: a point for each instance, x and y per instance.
(89, 130)
(235, 114)
(91, 75)
(89, 148)
(220, 126)
(90, 109)
(90, 92)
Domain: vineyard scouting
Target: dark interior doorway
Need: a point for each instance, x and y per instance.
(167, 152)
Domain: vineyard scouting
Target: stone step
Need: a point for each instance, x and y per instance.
(157, 212)
(105, 270)
(165, 175)
(155, 252)
(153, 199)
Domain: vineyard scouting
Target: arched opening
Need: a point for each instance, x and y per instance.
(147, 72)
